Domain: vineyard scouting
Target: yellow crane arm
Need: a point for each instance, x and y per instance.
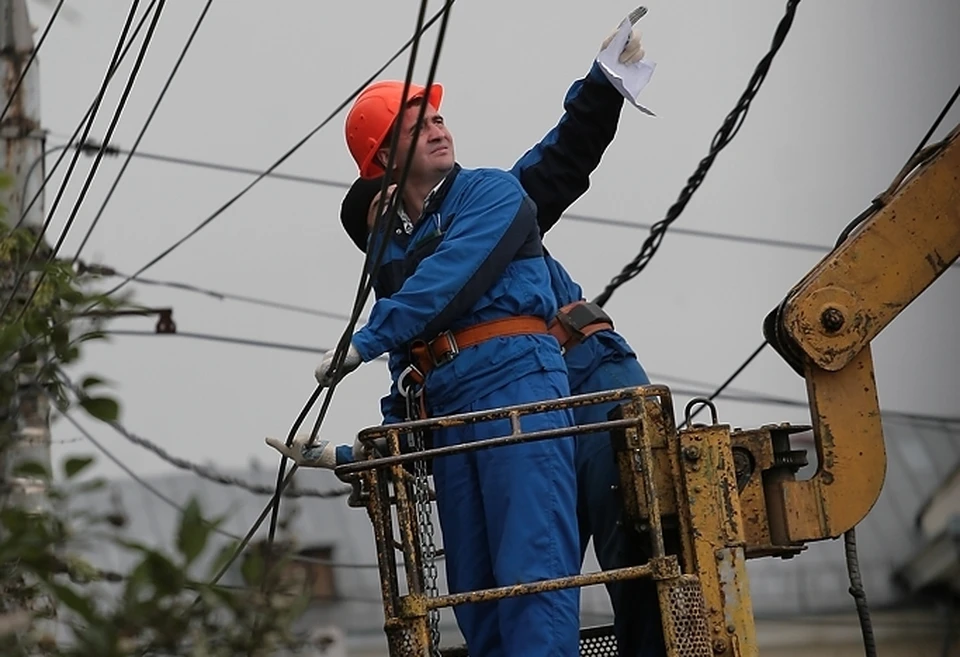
(826, 323)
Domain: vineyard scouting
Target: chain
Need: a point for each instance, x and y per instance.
(421, 492)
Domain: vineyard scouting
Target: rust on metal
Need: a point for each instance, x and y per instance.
(683, 612)
(501, 441)
(859, 288)
(504, 412)
(711, 501)
(850, 452)
(573, 581)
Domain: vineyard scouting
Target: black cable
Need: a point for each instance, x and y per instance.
(118, 112)
(937, 122)
(877, 203)
(86, 131)
(219, 166)
(316, 393)
(290, 152)
(33, 56)
(731, 126)
(211, 337)
(246, 189)
(343, 344)
(735, 395)
(91, 109)
(383, 226)
(730, 379)
(859, 595)
(143, 130)
(101, 270)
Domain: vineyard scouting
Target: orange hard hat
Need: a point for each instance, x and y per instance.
(371, 117)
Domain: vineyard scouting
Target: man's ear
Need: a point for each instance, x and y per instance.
(383, 156)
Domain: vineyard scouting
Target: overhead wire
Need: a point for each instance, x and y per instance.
(920, 154)
(85, 126)
(143, 130)
(92, 146)
(283, 480)
(33, 57)
(204, 472)
(94, 168)
(702, 388)
(101, 270)
(915, 159)
(440, 13)
(25, 208)
(731, 126)
(878, 202)
(146, 485)
(383, 226)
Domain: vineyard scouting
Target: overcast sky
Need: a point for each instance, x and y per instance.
(849, 96)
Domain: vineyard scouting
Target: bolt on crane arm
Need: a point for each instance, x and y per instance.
(824, 327)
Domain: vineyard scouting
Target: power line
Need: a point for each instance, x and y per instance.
(102, 270)
(121, 104)
(702, 388)
(90, 110)
(290, 152)
(202, 471)
(576, 217)
(85, 125)
(177, 507)
(123, 466)
(731, 126)
(382, 225)
(136, 143)
(33, 56)
(730, 379)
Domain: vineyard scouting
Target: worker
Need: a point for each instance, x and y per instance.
(555, 173)
(470, 307)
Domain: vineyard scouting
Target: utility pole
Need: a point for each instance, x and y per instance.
(25, 421)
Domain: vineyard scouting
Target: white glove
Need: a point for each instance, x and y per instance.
(632, 52)
(351, 362)
(320, 454)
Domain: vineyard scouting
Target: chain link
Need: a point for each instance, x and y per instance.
(421, 492)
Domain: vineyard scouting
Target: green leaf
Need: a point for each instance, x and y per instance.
(194, 532)
(31, 469)
(164, 576)
(252, 568)
(102, 408)
(91, 381)
(72, 599)
(75, 465)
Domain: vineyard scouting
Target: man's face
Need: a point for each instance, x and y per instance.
(433, 156)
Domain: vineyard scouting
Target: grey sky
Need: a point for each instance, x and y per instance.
(848, 98)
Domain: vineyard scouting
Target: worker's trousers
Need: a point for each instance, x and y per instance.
(600, 515)
(508, 516)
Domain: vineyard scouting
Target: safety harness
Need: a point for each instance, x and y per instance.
(573, 324)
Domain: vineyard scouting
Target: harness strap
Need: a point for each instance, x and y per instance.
(425, 356)
(577, 321)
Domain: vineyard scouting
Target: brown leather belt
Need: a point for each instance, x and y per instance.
(445, 347)
(577, 321)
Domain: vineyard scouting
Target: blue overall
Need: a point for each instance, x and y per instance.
(508, 515)
(554, 173)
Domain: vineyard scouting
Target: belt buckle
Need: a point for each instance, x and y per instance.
(448, 355)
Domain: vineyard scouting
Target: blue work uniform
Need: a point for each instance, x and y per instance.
(554, 173)
(508, 514)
